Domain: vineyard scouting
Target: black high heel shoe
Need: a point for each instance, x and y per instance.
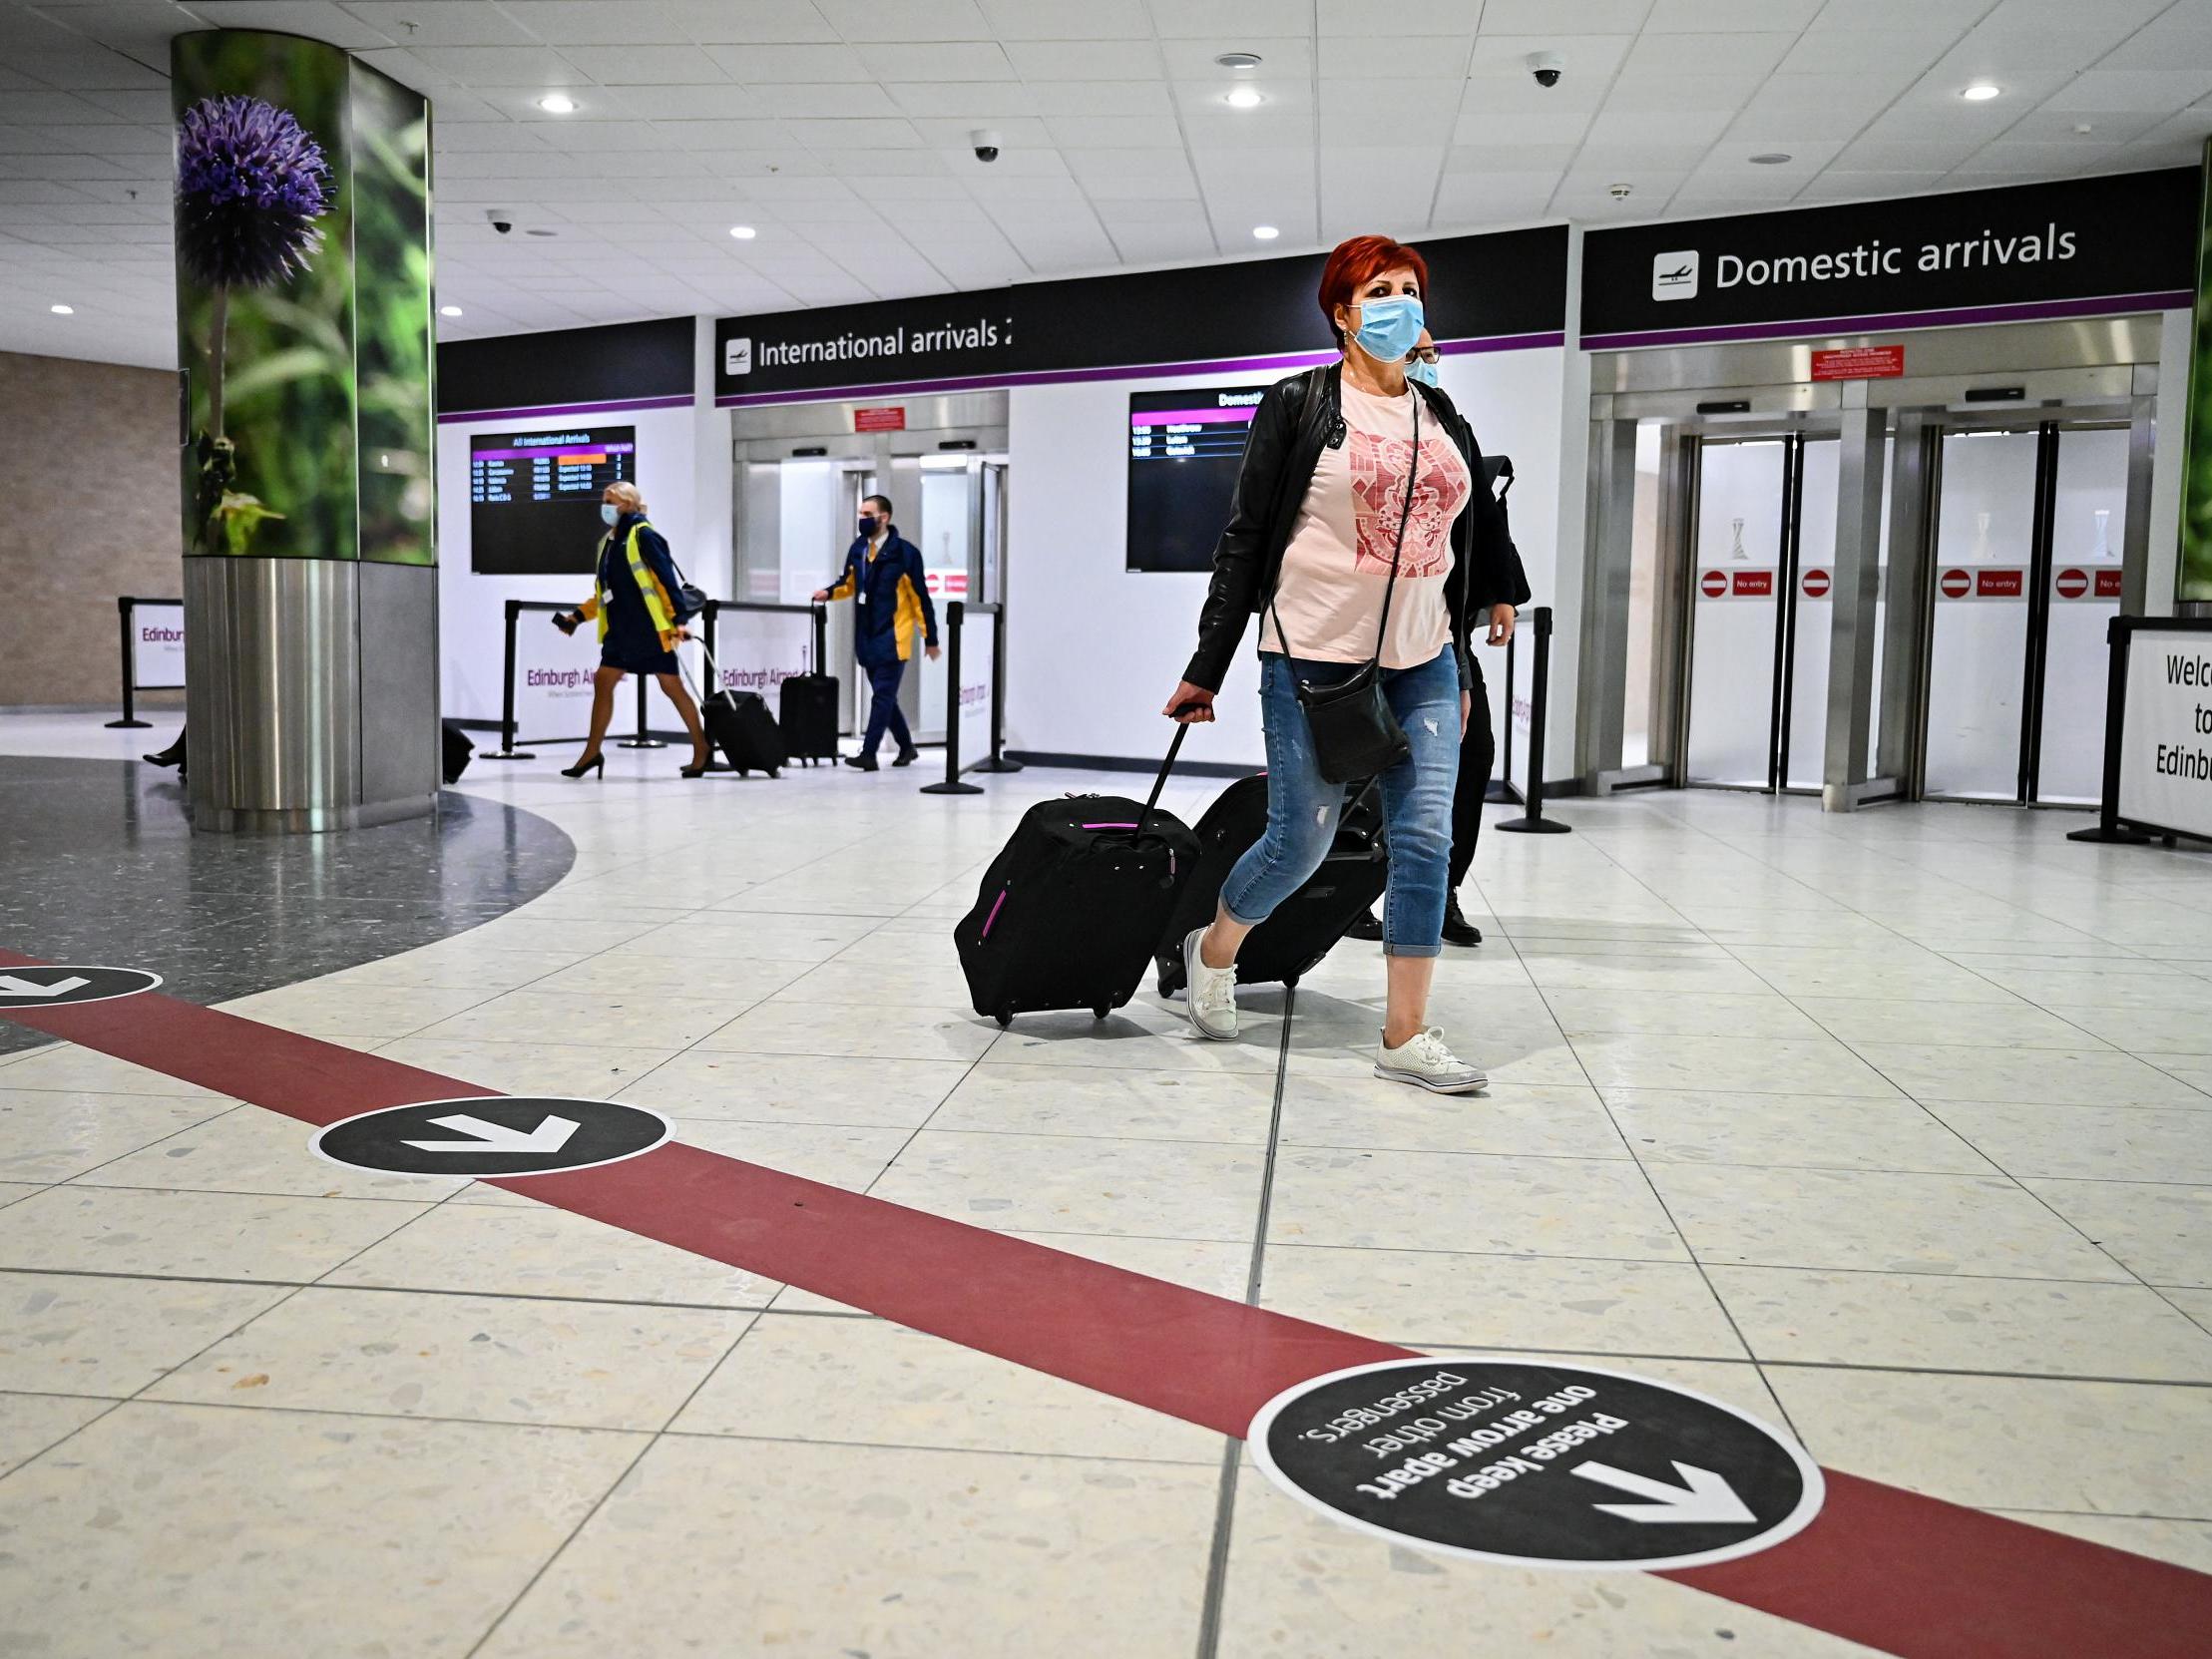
(696, 769)
(598, 763)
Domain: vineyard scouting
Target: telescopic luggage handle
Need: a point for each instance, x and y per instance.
(1160, 782)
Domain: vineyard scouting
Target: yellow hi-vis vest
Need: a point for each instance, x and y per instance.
(658, 605)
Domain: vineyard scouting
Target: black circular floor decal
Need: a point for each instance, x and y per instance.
(1537, 1464)
(503, 1134)
(54, 987)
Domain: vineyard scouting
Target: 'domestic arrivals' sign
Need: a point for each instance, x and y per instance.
(2025, 251)
(1537, 1464)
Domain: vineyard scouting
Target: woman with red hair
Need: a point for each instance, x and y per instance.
(1360, 533)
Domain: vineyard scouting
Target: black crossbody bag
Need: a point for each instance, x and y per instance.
(1355, 736)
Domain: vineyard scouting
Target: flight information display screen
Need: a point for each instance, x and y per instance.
(534, 498)
(1184, 452)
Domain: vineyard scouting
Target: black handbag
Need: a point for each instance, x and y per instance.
(1355, 736)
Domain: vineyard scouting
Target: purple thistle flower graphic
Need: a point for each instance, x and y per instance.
(250, 182)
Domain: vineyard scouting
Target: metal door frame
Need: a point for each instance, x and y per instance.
(2048, 421)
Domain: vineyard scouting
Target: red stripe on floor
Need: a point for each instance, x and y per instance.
(1906, 1574)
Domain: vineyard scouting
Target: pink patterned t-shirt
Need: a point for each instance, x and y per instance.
(1338, 559)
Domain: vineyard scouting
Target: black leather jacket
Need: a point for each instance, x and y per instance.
(1299, 417)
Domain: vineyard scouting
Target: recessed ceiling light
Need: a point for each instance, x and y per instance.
(1773, 157)
(744, 233)
(1238, 60)
(1980, 93)
(63, 310)
(557, 103)
(2083, 127)
(1264, 232)
(449, 310)
(1244, 98)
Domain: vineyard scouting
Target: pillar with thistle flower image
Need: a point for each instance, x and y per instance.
(308, 491)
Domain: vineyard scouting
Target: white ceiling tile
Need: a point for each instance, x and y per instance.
(1998, 53)
(1697, 16)
(690, 104)
(143, 107)
(1899, 17)
(1254, 19)
(1400, 18)
(782, 65)
(1565, 17)
(1627, 127)
(597, 22)
(1284, 58)
(482, 137)
(595, 137)
(2141, 89)
(2105, 126)
(859, 20)
(1108, 132)
(1616, 156)
(317, 19)
(861, 99)
(1025, 20)
(976, 102)
(853, 135)
(2119, 15)
(881, 188)
(1480, 125)
(1886, 58)
(1148, 174)
(727, 135)
(448, 23)
(1591, 57)
(2048, 159)
(1833, 186)
(1094, 59)
(1656, 93)
(881, 164)
(1508, 157)
(1019, 136)
(503, 66)
(1806, 157)
(1709, 54)
(1875, 155)
(1149, 98)
(648, 66)
(1385, 57)
(981, 60)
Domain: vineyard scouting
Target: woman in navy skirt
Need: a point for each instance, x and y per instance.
(638, 629)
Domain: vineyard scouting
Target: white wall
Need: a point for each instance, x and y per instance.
(471, 608)
(1094, 650)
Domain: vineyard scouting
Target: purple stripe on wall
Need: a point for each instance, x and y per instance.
(2022, 311)
(1133, 371)
(680, 400)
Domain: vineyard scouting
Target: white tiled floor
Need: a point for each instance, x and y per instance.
(1895, 1126)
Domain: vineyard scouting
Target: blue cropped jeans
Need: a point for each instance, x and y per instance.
(1302, 810)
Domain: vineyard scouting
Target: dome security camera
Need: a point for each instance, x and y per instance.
(1546, 67)
(985, 144)
(499, 219)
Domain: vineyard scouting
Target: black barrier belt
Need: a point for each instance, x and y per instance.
(124, 605)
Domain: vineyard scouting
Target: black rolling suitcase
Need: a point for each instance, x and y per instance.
(806, 709)
(738, 723)
(458, 749)
(1306, 924)
(1070, 909)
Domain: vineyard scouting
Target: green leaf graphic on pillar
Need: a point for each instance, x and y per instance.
(251, 183)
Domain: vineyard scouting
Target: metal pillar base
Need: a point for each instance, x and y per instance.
(951, 789)
(997, 766)
(130, 725)
(2116, 836)
(1534, 826)
(507, 754)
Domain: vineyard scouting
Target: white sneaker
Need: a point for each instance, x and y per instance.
(1210, 998)
(1424, 1061)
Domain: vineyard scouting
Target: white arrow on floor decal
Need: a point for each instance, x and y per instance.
(10, 986)
(548, 1136)
(1706, 1498)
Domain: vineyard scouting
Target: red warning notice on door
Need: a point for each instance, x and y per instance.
(1860, 363)
(886, 418)
(1814, 584)
(1713, 583)
(2071, 585)
(1753, 584)
(2108, 585)
(1999, 585)
(1955, 585)
(2074, 583)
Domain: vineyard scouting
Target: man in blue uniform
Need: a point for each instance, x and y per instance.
(883, 573)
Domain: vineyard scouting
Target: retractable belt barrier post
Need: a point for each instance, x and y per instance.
(125, 605)
(975, 711)
(1536, 823)
(1501, 786)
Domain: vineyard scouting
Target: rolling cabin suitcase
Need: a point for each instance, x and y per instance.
(1305, 926)
(458, 750)
(739, 724)
(1070, 909)
(806, 709)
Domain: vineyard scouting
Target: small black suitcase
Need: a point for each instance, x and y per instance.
(808, 712)
(458, 749)
(739, 724)
(1070, 909)
(1305, 926)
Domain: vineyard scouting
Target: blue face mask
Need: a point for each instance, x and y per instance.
(608, 513)
(1390, 327)
(1423, 370)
